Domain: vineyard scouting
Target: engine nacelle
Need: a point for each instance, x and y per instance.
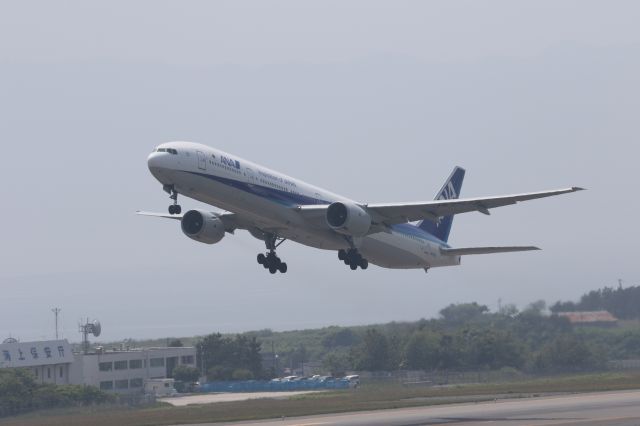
(349, 219)
(202, 226)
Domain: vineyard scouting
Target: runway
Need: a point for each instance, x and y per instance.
(603, 408)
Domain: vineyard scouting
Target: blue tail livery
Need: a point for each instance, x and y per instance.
(450, 191)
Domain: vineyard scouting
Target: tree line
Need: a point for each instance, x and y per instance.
(461, 341)
(465, 337)
(623, 303)
(230, 358)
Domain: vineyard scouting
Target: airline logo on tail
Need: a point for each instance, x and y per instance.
(448, 192)
(441, 227)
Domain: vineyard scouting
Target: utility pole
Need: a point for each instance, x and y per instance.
(56, 311)
(619, 283)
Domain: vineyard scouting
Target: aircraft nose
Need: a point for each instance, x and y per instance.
(159, 164)
(154, 161)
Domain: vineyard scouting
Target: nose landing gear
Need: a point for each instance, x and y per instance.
(353, 258)
(175, 207)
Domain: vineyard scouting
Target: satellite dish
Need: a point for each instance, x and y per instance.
(96, 328)
(89, 328)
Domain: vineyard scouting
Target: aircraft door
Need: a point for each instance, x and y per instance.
(202, 161)
(250, 176)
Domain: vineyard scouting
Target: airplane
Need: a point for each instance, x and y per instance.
(274, 207)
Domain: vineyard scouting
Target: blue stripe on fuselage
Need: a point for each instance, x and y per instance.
(292, 199)
(286, 198)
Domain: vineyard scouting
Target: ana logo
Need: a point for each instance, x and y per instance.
(229, 162)
(448, 192)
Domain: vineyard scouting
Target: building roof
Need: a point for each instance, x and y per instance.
(588, 317)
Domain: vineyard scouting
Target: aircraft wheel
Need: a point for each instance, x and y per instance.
(178, 209)
(364, 263)
(261, 259)
(172, 209)
(342, 255)
(273, 269)
(282, 268)
(353, 266)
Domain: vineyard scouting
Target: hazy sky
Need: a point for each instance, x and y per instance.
(373, 100)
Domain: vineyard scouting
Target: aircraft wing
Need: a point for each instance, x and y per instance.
(163, 215)
(484, 250)
(432, 210)
(230, 220)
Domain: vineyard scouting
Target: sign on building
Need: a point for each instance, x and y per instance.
(31, 354)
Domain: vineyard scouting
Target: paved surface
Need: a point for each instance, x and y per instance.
(209, 398)
(608, 408)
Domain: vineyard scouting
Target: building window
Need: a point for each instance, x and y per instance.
(135, 363)
(61, 372)
(122, 384)
(105, 366)
(135, 383)
(35, 370)
(187, 359)
(107, 385)
(48, 372)
(156, 362)
(120, 365)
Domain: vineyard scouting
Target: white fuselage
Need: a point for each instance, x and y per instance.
(268, 199)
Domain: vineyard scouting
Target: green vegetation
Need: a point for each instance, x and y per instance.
(230, 358)
(19, 393)
(186, 374)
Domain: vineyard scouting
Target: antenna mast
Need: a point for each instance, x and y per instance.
(56, 311)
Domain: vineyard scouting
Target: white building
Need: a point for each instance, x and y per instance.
(125, 371)
(121, 371)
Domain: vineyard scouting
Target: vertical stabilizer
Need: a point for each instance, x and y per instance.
(450, 191)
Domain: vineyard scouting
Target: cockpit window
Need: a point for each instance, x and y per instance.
(169, 150)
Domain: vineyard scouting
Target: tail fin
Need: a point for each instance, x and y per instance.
(450, 190)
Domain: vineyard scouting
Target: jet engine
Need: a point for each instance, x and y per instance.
(348, 218)
(202, 226)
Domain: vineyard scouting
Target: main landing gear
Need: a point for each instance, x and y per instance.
(353, 258)
(270, 260)
(175, 207)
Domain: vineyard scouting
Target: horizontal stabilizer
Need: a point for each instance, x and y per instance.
(484, 250)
